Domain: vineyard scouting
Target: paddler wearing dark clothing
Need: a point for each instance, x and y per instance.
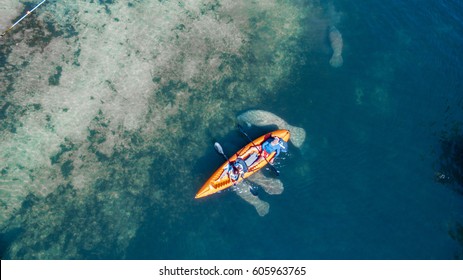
(237, 169)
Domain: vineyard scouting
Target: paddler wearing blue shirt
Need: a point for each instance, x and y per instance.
(273, 144)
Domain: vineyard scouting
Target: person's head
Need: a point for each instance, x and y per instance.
(275, 140)
(238, 168)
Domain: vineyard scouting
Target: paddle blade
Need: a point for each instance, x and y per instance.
(218, 148)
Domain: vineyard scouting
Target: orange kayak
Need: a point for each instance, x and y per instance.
(220, 179)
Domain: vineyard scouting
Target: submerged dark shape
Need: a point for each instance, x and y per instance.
(457, 235)
(450, 172)
(6, 238)
(450, 169)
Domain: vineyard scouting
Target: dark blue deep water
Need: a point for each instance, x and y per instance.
(373, 146)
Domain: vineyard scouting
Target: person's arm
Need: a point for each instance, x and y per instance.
(265, 145)
(277, 150)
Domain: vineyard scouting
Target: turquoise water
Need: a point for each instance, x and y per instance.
(122, 156)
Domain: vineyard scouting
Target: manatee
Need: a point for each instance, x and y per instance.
(270, 185)
(262, 207)
(264, 118)
(336, 44)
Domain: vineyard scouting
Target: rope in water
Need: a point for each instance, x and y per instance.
(27, 13)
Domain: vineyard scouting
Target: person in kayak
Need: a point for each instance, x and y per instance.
(273, 144)
(269, 146)
(236, 170)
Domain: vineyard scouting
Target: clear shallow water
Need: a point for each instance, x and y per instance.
(361, 187)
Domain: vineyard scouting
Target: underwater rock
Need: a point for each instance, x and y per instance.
(336, 44)
(263, 118)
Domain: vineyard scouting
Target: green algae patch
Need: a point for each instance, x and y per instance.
(66, 168)
(53, 80)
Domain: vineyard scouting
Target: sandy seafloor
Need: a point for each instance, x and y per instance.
(109, 111)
